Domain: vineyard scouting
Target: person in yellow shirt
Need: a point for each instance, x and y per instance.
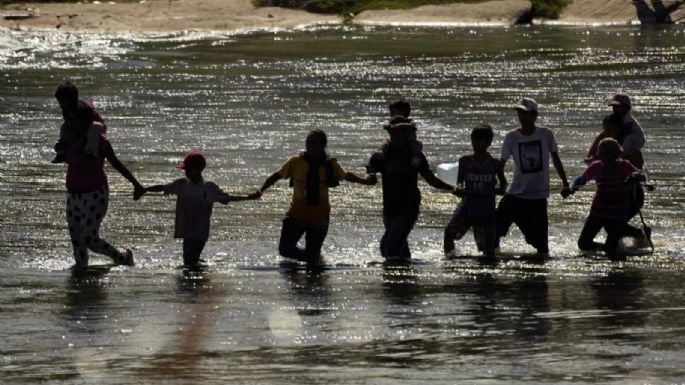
(311, 174)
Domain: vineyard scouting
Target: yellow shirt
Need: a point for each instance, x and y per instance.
(297, 168)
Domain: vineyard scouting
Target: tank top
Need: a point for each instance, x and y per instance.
(479, 186)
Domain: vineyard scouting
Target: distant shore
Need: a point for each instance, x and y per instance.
(241, 15)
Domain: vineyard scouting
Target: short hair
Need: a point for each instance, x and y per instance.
(318, 134)
(483, 131)
(67, 90)
(400, 106)
(193, 159)
(609, 147)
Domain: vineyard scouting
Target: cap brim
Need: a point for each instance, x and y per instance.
(615, 103)
(522, 108)
(181, 166)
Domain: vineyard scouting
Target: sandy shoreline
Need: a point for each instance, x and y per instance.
(239, 15)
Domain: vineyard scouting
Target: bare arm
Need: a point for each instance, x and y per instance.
(593, 148)
(502, 189)
(248, 197)
(370, 179)
(109, 154)
(155, 188)
(565, 191)
(434, 181)
(270, 181)
(461, 175)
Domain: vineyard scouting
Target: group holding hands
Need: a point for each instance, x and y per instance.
(400, 160)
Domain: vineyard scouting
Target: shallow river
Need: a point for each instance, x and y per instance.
(247, 101)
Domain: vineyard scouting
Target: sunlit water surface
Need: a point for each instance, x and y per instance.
(247, 101)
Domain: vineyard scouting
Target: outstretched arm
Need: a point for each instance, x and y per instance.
(109, 154)
(270, 181)
(370, 179)
(238, 198)
(434, 181)
(154, 188)
(565, 191)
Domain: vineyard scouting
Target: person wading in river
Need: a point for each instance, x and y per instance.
(88, 191)
(525, 203)
(401, 195)
(311, 173)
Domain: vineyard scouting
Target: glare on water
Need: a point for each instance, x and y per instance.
(247, 101)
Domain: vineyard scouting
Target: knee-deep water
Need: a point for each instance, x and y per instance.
(247, 101)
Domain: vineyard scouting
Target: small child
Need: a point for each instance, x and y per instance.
(476, 186)
(67, 97)
(399, 114)
(611, 204)
(194, 202)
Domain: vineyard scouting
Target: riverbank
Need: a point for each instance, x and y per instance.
(242, 15)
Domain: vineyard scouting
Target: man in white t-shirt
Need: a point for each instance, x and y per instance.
(525, 203)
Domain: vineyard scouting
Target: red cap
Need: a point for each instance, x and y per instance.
(193, 158)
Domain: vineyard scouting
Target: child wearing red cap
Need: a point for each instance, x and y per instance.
(194, 203)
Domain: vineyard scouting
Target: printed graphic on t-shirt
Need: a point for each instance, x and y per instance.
(530, 155)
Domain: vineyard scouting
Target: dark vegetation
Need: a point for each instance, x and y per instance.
(539, 8)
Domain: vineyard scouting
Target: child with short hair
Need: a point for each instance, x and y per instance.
(611, 204)
(476, 185)
(67, 97)
(194, 203)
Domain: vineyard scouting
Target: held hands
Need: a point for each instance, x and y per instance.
(255, 195)
(458, 191)
(566, 191)
(138, 192)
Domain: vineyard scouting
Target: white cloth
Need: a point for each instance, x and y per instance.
(194, 204)
(531, 155)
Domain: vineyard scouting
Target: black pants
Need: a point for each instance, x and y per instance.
(593, 224)
(291, 232)
(530, 215)
(192, 248)
(394, 241)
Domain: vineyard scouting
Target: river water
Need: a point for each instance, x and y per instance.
(247, 101)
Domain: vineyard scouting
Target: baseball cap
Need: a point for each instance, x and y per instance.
(526, 104)
(620, 100)
(193, 158)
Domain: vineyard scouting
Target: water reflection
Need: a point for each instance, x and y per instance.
(87, 312)
(619, 294)
(198, 301)
(86, 302)
(400, 287)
